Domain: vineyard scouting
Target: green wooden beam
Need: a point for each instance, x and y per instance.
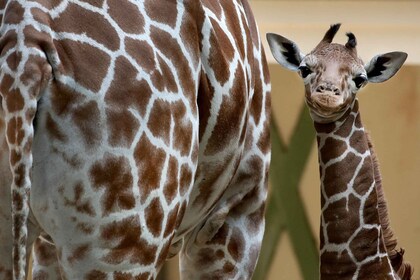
(275, 225)
(285, 209)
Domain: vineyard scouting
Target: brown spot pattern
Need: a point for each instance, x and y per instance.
(254, 220)
(86, 56)
(85, 228)
(13, 97)
(122, 127)
(337, 266)
(114, 175)
(87, 23)
(171, 221)
(337, 175)
(230, 116)
(163, 78)
(370, 210)
(236, 245)
(204, 96)
(126, 90)
(365, 243)
(54, 130)
(183, 131)
(79, 253)
(257, 102)
(142, 53)
(160, 120)
(166, 14)
(332, 148)
(358, 141)
(171, 185)
(169, 47)
(14, 13)
(120, 11)
(87, 119)
(186, 179)
(43, 253)
(50, 4)
(64, 99)
(129, 245)
(221, 53)
(154, 217)
(81, 204)
(342, 217)
(377, 269)
(129, 276)
(15, 132)
(149, 160)
(365, 177)
(220, 238)
(95, 275)
(208, 256)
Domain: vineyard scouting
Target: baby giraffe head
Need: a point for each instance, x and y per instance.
(333, 73)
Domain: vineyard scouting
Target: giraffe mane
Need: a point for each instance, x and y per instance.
(403, 269)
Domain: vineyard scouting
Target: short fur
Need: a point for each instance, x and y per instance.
(403, 269)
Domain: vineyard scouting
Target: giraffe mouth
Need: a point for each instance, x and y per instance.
(327, 102)
(326, 107)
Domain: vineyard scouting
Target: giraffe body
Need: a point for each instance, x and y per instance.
(151, 135)
(356, 241)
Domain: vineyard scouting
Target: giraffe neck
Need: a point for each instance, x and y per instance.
(351, 242)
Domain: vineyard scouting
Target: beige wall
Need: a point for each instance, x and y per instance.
(379, 26)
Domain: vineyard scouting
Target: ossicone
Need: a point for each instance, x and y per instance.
(330, 34)
(352, 42)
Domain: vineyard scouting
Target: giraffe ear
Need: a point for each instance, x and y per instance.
(285, 51)
(382, 67)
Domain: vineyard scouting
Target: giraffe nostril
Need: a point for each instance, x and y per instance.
(321, 89)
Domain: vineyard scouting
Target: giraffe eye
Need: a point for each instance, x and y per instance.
(304, 71)
(359, 81)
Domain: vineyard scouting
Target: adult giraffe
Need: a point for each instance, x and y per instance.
(146, 126)
(356, 240)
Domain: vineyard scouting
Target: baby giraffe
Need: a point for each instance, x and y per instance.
(356, 241)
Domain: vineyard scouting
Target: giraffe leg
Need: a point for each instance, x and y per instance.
(227, 245)
(6, 238)
(5, 215)
(5, 241)
(45, 261)
(5, 229)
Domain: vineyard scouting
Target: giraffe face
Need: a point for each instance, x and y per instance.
(332, 76)
(333, 73)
